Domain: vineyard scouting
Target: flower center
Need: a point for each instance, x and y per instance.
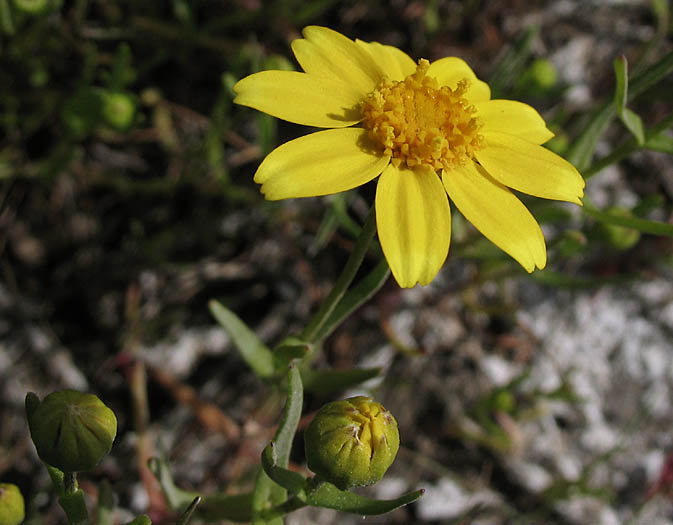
(369, 423)
(417, 122)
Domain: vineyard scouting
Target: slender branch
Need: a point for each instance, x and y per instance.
(312, 330)
(627, 148)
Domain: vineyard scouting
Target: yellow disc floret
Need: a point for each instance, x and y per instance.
(417, 122)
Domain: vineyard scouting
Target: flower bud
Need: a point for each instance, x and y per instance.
(119, 110)
(620, 237)
(12, 509)
(544, 73)
(72, 431)
(351, 443)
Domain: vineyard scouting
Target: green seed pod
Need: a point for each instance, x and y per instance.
(12, 508)
(72, 431)
(352, 443)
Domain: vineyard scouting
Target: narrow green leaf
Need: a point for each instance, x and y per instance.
(74, 506)
(340, 207)
(662, 13)
(214, 507)
(343, 282)
(513, 62)
(582, 149)
(660, 142)
(122, 73)
(328, 226)
(267, 131)
(642, 225)
(186, 516)
(631, 145)
(621, 82)
(325, 382)
(288, 349)
(254, 352)
(176, 497)
(336, 216)
(292, 481)
(354, 298)
(6, 23)
(266, 492)
(218, 507)
(143, 519)
(634, 124)
(291, 415)
(648, 204)
(328, 496)
(632, 121)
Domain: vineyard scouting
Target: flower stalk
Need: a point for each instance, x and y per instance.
(310, 333)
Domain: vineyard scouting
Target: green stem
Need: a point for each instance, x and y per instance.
(582, 149)
(627, 148)
(356, 297)
(284, 508)
(72, 500)
(70, 482)
(345, 279)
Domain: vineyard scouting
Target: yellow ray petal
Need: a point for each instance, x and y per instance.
(394, 62)
(497, 213)
(451, 70)
(414, 223)
(529, 168)
(515, 118)
(300, 98)
(321, 163)
(325, 53)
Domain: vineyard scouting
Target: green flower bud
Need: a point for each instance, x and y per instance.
(543, 73)
(12, 508)
(119, 110)
(620, 237)
(352, 443)
(71, 431)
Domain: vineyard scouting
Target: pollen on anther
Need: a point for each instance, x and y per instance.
(417, 122)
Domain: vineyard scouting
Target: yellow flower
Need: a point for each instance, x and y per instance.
(428, 130)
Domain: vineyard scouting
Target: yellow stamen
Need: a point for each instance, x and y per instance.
(418, 122)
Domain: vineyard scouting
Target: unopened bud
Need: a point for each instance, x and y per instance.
(352, 443)
(72, 431)
(12, 508)
(119, 110)
(620, 237)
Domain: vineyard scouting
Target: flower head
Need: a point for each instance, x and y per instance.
(430, 130)
(351, 443)
(71, 431)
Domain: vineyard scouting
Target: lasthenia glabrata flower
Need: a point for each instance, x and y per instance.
(429, 131)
